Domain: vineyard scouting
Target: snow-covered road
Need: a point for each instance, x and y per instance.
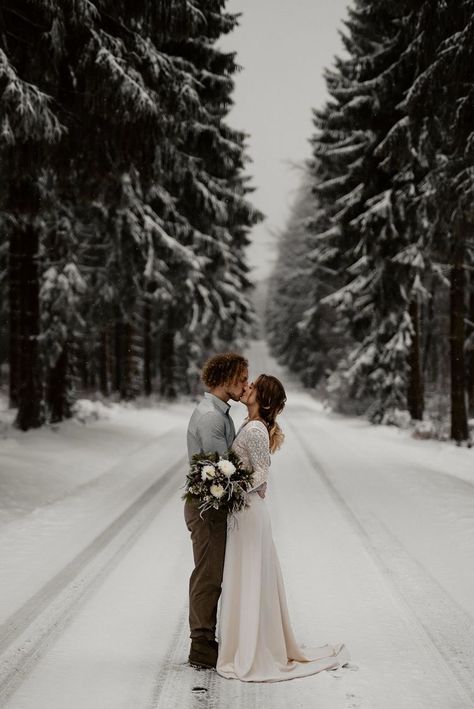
(375, 533)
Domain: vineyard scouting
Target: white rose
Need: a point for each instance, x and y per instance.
(208, 472)
(226, 467)
(217, 491)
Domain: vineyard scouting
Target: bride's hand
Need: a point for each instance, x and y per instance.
(262, 490)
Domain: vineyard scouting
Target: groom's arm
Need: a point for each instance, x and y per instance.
(211, 433)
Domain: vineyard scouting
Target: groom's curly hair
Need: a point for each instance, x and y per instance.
(223, 368)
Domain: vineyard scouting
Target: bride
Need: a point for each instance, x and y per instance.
(256, 641)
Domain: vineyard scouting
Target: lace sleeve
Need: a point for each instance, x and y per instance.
(258, 448)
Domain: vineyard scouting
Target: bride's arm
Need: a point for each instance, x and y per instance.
(258, 447)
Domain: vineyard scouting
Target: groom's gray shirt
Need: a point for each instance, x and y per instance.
(210, 427)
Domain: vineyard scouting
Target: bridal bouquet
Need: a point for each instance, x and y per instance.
(218, 482)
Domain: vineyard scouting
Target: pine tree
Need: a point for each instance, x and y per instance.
(302, 335)
(470, 344)
(127, 207)
(392, 223)
(366, 230)
(439, 104)
(29, 127)
(209, 191)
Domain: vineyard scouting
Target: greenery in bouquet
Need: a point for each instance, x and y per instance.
(218, 482)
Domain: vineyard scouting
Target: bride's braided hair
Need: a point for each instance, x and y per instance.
(271, 399)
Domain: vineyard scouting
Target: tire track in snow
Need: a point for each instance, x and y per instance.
(93, 482)
(25, 636)
(448, 628)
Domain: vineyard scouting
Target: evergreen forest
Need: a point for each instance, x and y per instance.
(126, 210)
(124, 204)
(372, 297)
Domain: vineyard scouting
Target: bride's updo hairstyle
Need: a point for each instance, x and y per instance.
(271, 399)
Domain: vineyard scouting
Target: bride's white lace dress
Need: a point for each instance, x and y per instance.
(256, 641)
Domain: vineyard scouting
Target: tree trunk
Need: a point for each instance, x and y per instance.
(30, 400)
(167, 360)
(126, 390)
(118, 354)
(459, 430)
(14, 258)
(111, 354)
(92, 374)
(57, 390)
(147, 348)
(429, 325)
(415, 397)
(103, 358)
(470, 352)
(84, 369)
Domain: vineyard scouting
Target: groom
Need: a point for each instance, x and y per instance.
(210, 429)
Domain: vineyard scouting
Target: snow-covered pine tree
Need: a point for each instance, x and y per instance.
(124, 101)
(289, 287)
(356, 189)
(166, 268)
(405, 154)
(29, 127)
(61, 292)
(3, 311)
(470, 342)
(440, 104)
(302, 335)
(139, 248)
(209, 191)
(68, 57)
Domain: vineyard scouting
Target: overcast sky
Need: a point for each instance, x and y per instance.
(283, 47)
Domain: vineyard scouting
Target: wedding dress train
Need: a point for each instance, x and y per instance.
(256, 640)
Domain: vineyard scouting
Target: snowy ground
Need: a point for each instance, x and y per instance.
(375, 533)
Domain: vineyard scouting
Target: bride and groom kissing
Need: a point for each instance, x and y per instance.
(238, 562)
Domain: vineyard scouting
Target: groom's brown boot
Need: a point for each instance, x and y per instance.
(203, 653)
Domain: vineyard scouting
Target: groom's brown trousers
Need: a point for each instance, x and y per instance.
(208, 536)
